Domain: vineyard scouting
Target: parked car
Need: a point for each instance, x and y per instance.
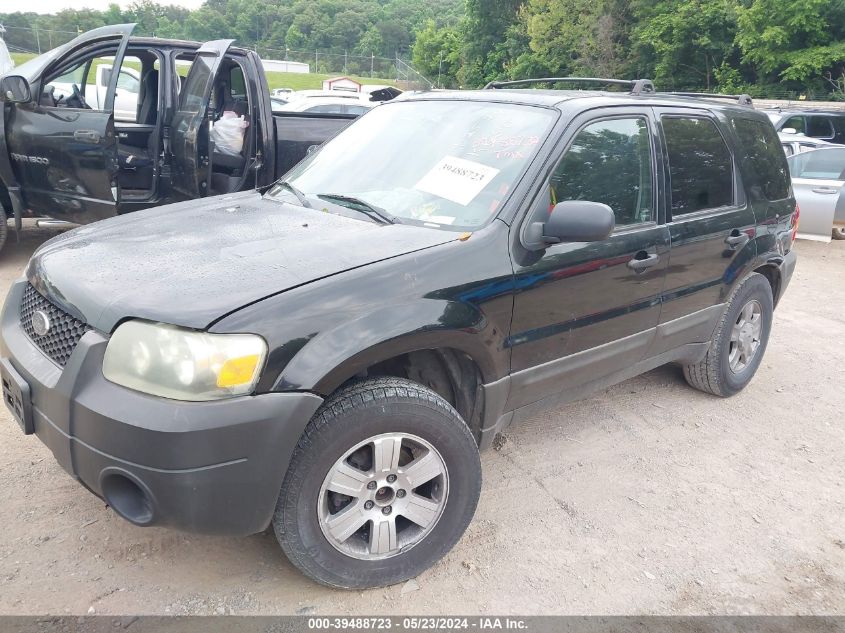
(71, 158)
(276, 103)
(328, 105)
(818, 177)
(821, 124)
(127, 93)
(797, 143)
(6, 62)
(328, 358)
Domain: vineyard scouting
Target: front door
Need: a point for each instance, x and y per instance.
(817, 179)
(190, 127)
(584, 310)
(63, 150)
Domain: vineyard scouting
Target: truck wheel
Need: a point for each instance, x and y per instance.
(838, 233)
(739, 342)
(383, 482)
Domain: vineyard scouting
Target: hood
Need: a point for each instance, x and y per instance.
(191, 263)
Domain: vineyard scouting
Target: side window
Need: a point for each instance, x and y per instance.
(787, 149)
(797, 123)
(609, 162)
(195, 86)
(764, 162)
(237, 83)
(819, 127)
(822, 164)
(700, 166)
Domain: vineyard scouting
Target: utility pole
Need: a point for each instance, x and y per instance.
(38, 41)
(440, 70)
(316, 61)
(372, 61)
(345, 53)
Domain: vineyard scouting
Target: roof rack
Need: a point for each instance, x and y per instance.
(743, 99)
(637, 86)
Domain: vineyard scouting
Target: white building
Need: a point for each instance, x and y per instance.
(284, 66)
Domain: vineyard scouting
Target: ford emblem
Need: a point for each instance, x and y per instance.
(40, 322)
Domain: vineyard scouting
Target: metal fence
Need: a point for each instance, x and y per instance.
(328, 62)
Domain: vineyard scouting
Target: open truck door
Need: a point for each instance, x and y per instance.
(191, 144)
(62, 151)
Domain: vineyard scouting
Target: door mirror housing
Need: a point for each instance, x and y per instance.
(15, 89)
(578, 221)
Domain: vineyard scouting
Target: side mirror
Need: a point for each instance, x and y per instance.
(578, 221)
(15, 89)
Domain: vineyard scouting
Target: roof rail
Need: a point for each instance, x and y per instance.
(637, 86)
(743, 99)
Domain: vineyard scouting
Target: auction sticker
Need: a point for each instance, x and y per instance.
(457, 179)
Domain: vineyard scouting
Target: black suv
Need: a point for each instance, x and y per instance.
(328, 357)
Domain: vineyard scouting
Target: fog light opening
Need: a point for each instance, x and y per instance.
(127, 498)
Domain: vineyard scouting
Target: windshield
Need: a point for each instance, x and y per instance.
(446, 164)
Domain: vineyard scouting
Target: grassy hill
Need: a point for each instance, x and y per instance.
(296, 81)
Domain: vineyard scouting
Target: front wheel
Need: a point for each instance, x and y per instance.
(382, 484)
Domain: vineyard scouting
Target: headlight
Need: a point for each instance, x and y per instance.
(174, 362)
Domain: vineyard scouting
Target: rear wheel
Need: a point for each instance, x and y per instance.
(382, 484)
(739, 342)
(838, 233)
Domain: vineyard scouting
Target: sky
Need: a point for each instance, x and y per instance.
(52, 6)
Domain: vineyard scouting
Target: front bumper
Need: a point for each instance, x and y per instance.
(212, 467)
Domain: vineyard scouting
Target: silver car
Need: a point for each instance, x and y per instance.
(818, 177)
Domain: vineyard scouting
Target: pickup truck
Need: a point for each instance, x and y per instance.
(65, 157)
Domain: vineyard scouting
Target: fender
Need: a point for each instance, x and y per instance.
(352, 346)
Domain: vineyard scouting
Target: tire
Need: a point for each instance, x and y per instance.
(388, 408)
(838, 233)
(714, 374)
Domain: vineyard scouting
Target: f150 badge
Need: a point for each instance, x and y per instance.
(23, 158)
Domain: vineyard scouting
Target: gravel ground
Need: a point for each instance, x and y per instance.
(648, 498)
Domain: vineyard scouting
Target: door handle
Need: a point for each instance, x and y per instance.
(826, 190)
(643, 260)
(86, 136)
(737, 239)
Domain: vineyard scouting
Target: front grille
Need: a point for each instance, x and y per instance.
(64, 333)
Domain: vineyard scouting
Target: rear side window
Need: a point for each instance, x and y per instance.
(700, 166)
(819, 127)
(762, 158)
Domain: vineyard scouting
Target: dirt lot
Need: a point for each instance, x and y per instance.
(648, 498)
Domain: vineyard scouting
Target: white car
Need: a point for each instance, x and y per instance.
(328, 105)
(818, 177)
(6, 62)
(797, 143)
(125, 99)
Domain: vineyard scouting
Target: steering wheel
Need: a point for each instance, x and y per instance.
(77, 96)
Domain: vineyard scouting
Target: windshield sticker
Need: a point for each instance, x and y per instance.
(457, 179)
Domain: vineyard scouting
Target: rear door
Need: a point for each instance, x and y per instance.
(710, 223)
(63, 151)
(190, 127)
(817, 179)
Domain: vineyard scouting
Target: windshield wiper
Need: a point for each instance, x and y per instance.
(370, 210)
(299, 195)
